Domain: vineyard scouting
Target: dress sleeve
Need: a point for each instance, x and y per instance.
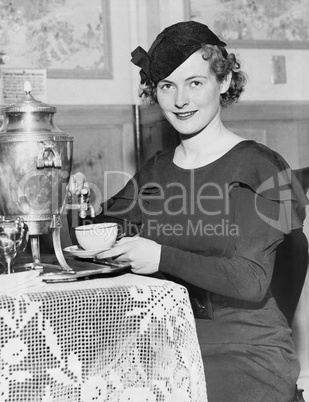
(244, 271)
(269, 203)
(269, 175)
(123, 208)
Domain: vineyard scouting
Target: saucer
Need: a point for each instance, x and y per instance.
(79, 252)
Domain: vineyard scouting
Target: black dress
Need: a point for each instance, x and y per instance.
(219, 226)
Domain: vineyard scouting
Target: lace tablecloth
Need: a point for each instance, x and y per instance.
(121, 339)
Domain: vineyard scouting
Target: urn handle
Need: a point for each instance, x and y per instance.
(48, 156)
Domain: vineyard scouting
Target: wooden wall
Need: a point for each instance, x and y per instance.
(283, 126)
(103, 143)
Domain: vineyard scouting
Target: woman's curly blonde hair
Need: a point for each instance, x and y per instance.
(222, 64)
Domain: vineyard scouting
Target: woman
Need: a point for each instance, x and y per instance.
(211, 214)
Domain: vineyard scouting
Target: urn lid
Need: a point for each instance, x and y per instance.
(28, 104)
(29, 116)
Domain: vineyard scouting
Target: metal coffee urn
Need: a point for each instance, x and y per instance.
(35, 167)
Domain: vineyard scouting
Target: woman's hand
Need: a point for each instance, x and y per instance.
(77, 183)
(142, 254)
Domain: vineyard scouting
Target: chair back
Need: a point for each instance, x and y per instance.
(291, 263)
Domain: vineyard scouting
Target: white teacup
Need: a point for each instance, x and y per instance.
(97, 236)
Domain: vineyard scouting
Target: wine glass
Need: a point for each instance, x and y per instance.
(13, 240)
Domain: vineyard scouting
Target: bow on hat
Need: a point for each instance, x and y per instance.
(171, 48)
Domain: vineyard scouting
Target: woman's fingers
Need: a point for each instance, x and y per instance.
(119, 250)
(114, 252)
(126, 239)
(142, 254)
(72, 185)
(77, 184)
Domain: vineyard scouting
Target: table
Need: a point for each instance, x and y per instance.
(125, 338)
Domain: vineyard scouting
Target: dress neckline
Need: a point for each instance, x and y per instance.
(213, 162)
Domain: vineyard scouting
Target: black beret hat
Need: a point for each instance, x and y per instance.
(171, 48)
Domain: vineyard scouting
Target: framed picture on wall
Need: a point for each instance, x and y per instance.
(255, 23)
(68, 38)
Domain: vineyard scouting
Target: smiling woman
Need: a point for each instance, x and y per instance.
(212, 215)
(190, 96)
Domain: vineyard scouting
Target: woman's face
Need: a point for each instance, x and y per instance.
(190, 96)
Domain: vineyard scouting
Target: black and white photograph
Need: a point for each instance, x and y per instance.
(154, 201)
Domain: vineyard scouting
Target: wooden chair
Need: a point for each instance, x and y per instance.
(290, 269)
(298, 395)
